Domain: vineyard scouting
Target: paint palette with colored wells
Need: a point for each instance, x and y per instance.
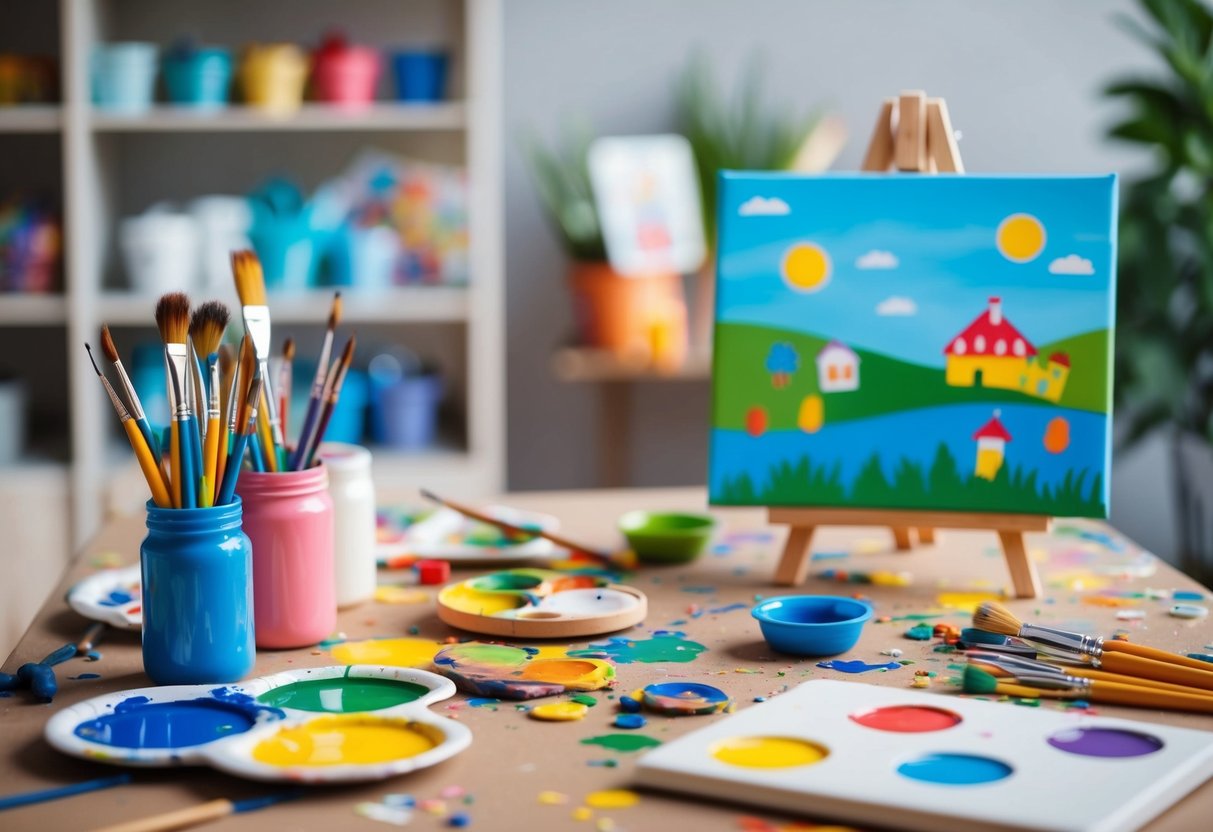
(540, 603)
(113, 596)
(320, 725)
(883, 756)
(445, 534)
(508, 672)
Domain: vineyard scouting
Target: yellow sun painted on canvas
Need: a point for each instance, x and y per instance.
(806, 267)
(1020, 238)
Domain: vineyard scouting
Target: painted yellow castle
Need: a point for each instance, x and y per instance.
(991, 352)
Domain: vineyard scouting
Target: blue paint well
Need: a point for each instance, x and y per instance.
(137, 722)
(955, 769)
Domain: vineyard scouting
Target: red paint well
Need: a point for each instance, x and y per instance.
(907, 719)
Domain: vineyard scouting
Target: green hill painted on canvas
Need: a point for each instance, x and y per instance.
(887, 384)
(1090, 370)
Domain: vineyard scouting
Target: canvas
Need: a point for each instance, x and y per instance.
(914, 342)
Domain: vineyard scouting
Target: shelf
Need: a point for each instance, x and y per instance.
(402, 304)
(31, 118)
(586, 364)
(18, 309)
(312, 117)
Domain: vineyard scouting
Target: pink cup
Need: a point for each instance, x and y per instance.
(288, 517)
(346, 76)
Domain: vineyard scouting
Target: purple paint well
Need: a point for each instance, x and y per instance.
(1105, 742)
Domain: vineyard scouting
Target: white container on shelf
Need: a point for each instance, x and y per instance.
(160, 251)
(223, 223)
(13, 399)
(353, 493)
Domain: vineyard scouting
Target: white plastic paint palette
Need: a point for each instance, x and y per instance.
(891, 757)
(448, 535)
(540, 603)
(322, 725)
(113, 596)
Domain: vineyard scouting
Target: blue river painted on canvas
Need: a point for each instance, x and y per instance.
(915, 435)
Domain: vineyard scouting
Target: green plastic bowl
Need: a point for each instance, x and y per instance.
(667, 536)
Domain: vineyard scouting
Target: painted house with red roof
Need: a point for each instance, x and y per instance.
(991, 352)
(992, 439)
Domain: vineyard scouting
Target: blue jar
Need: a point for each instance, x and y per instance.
(197, 595)
(198, 77)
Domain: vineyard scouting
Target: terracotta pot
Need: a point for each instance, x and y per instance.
(625, 314)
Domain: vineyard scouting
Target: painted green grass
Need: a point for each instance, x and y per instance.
(887, 384)
(914, 486)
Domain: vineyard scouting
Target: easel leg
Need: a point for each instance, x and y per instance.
(926, 534)
(901, 538)
(794, 562)
(1023, 571)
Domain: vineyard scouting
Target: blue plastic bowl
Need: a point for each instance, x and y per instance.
(811, 625)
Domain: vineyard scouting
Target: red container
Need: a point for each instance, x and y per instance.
(345, 74)
(288, 516)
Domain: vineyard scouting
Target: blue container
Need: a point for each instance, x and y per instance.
(420, 74)
(124, 76)
(197, 596)
(812, 625)
(198, 77)
(287, 253)
(406, 412)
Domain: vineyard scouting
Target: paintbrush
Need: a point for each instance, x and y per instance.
(316, 398)
(12, 801)
(520, 532)
(202, 813)
(977, 680)
(250, 286)
(207, 326)
(996, 618)
(147, 463)
(84, 647)
(284, 384)
(227, 490)
(1000, 664)
(227, 376)
(134, 406)
(333, 392)
(172, 318)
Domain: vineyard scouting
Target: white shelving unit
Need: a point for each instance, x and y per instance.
(107, 172)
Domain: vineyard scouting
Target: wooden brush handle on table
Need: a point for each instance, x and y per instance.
(1116, 646)
(179, 819)
(1106, 676)
(1115, 693)
(1130, 665)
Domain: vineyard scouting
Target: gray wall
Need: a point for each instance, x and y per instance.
(1022, 82)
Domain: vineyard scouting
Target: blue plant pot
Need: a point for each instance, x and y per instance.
(124, 76)
(420, 74)
(198, 78)
(406, 412)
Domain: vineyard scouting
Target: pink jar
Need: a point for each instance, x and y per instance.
(288, 516)
(344, 74)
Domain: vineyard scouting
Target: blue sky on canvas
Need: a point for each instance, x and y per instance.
(940, 232)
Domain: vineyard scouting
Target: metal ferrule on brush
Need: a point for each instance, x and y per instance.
(1051, 681)
(257, 328)
(176, 357)
(1014, 664)
(212, 404)
(1062, 639)
(136, 408)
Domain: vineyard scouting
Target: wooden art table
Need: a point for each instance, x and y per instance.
(513, 759)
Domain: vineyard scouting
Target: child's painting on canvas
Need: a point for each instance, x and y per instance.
(914, 342)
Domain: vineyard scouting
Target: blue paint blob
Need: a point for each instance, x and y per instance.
(138, 722)
(484, 702)
(630, 721)
(117, 598)
(955, 769)
(857, 666)
(85, 676)
(629, 705)
(1187, 595)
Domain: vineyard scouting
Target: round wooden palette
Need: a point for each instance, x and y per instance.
(540, 603)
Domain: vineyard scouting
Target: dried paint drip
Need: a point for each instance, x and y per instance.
(857, 666)
(768, 752)
(138, 722)
(664, 646)
(343, 695)
(518, 672)
(623, 742)
(394, 652)
(685, 698)
(346, 740)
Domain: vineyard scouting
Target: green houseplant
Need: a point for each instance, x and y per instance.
(1164, 359)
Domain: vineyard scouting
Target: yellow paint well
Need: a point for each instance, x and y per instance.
(464, 598)
(768, 752)
(395, 652)
(346, 740)
(559, 711)
(612, 799)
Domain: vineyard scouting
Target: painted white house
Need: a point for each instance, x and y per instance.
(837, 368)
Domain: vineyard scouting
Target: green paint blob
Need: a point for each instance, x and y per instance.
(664, 646)
(584, 699)
(622, 742)
(343, 694)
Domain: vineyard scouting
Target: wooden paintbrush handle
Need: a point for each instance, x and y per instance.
(1115, 646)
(1131, 665)
(1115, 693)
(1106, 676)
(179, 819)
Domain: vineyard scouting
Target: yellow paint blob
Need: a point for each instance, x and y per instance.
(559, 711)
(811, 415)
(464, 598)
(612, 799)
(1020, 238)
(806, 267)
(345, 740)
(391, 594)
(768, 752)
(395, 652)
(966, 601)
(574, 674)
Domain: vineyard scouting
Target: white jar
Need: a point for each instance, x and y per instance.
(353, 493)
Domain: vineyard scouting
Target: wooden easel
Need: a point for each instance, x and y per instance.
(913, 134)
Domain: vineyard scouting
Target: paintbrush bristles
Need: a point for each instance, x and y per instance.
(288, 349)
(89, 348)
(250, 283)
(335, 312)
(207, 326)
(173, 317)
(995, 618)
(107, 345)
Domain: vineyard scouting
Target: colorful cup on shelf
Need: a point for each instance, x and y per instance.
(124, 76)
(198, 76)
(365, 258)
(272, 77)
(344, 74)
(406, 412)
(420, 74)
